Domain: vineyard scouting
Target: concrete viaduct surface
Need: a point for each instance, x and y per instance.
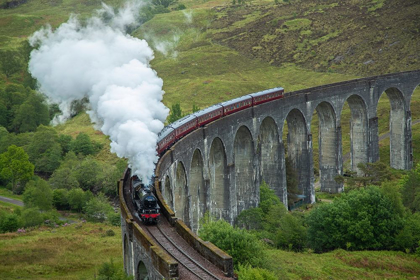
(218, 168)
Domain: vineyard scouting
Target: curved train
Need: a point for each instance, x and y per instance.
(173, 132)
(145, 202)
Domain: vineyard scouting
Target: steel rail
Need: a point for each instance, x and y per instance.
(182, 252)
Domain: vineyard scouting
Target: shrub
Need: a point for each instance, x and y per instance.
(97, 209)
(364, 218)
(9, 222)
(114, 218)
(60, 199)
(38, 193)
(32, 217)
(244, 247)
(291, 234)
(77, 199)
(246, 272)
(83, 145)
(411, 189)
(111, 271)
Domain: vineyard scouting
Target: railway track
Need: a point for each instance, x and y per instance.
(191, 268)
(191, 264)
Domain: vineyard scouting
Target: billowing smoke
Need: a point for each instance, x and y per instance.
(99, 61)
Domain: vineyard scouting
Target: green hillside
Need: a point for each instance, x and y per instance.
(205, 52)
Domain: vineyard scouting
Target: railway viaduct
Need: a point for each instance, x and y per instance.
(218, 168)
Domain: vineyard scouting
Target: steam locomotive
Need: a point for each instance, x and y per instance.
(173, 132)
(145, 202)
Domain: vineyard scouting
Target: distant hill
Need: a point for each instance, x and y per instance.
(355, 37)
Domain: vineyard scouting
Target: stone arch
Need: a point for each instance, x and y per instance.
(246, 193)
(397, 129)
(142, 273)
(329, 149)
(219, 187)
(127, 256)
(167, 192)
(181, 205)
(197, 190)
(269, 156)
(299, 154)
(358, 131)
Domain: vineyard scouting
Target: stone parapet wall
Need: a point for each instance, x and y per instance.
(138, 246)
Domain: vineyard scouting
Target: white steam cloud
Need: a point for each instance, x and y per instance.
(99, 61)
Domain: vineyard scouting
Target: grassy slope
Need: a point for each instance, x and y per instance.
(341, 264)
(75, 251)
(211, 59)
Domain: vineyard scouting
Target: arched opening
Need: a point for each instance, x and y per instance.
(219, 192)
(354, 133)
(126, 255)
(268, 152)
(297, 160)
(181, 194)
(325, 143)
(392, 128)
(197, 190)
(167, 193)
(246, 193)
(142, 273)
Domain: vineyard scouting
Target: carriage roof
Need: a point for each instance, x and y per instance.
(267, 91)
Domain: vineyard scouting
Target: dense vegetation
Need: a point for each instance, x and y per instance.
(207, 52)
(365, 218)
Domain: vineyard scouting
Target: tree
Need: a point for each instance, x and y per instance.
(12, 97)
(87, 174)
(38, 193)
(363, 219)
(60, 199)
(250, 219)
(11, 62)
(63, 178)
(44, 150)
(291, 233)
(15, 166)
(176, 113)
(370, 174)
(411, 189)
(83, 145)
(98, 209)
(32, 113)
(268, 198)
(65, 142)
(110, 174)
(3, 114)
(77, 199)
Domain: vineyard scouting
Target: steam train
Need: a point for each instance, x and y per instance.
(173, 132)
(145, 202)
